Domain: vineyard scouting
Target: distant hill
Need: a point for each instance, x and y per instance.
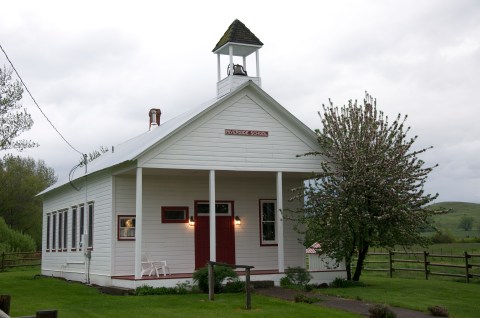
(450, 221)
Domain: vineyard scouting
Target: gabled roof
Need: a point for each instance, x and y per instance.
(132, 149)
(313, 249)
(237, 32)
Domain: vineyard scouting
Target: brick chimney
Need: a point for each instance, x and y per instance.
(154, 118)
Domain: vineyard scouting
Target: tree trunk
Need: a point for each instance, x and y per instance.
(361, 258)
(348, 269)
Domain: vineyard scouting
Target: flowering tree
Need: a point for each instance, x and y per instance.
(370, 188)
(13, 122)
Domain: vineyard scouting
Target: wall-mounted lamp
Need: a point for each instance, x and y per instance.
(191, 221)
(237, 220)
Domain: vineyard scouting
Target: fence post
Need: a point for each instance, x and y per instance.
(211, 281)
(390, 262)
(425, 262)
(248, 297)
(467, 274)
(5, 303)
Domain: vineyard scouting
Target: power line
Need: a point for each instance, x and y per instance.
(31, 96)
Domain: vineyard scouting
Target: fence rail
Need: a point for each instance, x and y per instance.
(20, 259)
(429, 262)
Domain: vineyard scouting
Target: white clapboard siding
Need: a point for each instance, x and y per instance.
(99, 191)
(175, 242)
(205, 145)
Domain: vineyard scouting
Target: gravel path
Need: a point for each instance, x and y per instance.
(356, 306)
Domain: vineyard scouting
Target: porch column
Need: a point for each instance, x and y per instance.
(213, 245)
(138, 225)
(281, 252)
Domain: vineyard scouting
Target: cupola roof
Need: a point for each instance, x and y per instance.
(237, 33)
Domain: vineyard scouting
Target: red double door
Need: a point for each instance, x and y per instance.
(224, 232)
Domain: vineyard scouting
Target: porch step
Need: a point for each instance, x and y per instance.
(115, 291)
(258, 284)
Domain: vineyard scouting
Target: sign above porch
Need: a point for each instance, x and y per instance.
(239, 132)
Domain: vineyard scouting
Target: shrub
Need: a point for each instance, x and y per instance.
(14, 241)
(442, 237)
(343, 283)
(381, 311)
(181, 288)
(221, 273)
(300, 298)
(438, 311)
(234, 286)
(295, 277)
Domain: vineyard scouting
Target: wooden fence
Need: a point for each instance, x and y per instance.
(425, 262)
(8, 260)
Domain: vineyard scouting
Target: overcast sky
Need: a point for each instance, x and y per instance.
(97, 67)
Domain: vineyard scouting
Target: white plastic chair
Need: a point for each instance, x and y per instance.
(147, 267)
(154, 266)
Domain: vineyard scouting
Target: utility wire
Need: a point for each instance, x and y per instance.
(31, 96)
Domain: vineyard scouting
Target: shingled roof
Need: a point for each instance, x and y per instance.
(237, 32)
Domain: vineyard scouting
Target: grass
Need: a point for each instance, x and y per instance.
(461, 299)
(77, 300)
(450, 221)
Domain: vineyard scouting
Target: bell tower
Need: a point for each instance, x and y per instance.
(237, 42)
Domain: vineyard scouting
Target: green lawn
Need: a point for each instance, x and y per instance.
(77, 300)
(450, 221)
(461, 299)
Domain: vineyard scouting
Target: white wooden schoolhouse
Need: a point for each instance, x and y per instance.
(210, 184)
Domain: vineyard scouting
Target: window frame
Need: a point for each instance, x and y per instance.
(47, 241)
(74, 229)
(261, 222)
(54, 231)
(60, 231)
(65, 230)
(81, 226)
(90, 224)
(184, 209)
(119, 228)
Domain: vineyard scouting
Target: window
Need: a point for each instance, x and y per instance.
(126, 228)
(268, 212)
(60, 230)
(65, 230)
(221, 208)
(54, 231)
(48, 233)
(82, 225)
(74, 228)
(90, 225)
(174, 214)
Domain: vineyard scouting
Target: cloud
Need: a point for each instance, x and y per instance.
(96, 68)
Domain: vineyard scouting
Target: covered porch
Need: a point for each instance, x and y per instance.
(238, 194)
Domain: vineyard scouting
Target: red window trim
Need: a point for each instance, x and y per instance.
(260, 222)
(118, 227)
(175, 208)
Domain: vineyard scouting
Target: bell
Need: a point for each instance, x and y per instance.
(238, 70)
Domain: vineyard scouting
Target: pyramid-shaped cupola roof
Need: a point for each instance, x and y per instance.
(238, 33)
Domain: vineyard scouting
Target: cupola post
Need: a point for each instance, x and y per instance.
(238, 41)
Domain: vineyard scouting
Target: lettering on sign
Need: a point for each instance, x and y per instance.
(239, 132)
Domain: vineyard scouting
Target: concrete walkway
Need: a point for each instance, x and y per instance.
(355, 306)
